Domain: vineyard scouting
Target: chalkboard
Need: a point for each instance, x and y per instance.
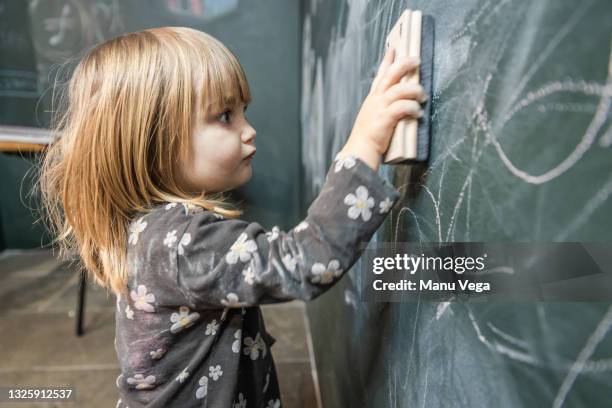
(37, 36)
(19, 88)
(521, 151)
(42, 40)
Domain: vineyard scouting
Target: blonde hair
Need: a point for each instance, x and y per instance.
(129, 114)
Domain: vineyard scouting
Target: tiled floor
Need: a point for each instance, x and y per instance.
(38, 345)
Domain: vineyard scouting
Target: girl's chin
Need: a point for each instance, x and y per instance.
(248, 170)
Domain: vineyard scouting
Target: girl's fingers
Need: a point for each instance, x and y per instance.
(397, 71)
(384, 65)
(405, 108)
(405, 90)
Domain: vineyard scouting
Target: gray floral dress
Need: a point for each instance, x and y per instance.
(191, 333)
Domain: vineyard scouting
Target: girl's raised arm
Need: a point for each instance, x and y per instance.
(234, 263)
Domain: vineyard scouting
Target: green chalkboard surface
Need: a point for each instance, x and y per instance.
(521, 151)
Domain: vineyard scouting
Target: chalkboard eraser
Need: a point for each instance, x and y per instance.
(413, 35)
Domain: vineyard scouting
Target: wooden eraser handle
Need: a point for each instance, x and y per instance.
(403, 145)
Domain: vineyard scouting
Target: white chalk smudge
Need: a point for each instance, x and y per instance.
(442, 307)
(594, 339)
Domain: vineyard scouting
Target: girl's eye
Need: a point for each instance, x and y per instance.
(225, 116)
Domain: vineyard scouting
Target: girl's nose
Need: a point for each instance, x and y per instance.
(248, 135)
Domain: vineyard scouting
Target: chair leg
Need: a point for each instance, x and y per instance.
(81, 303)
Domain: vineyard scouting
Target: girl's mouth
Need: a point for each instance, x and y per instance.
(250, 155)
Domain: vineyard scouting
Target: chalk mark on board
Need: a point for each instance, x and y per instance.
(416, 223)
(508, 337)
(437, 209)
(451, 223)
(554, 43)
(583, 146)
(468, 25)
(589, 348)
(442, 308)
(63, 23)
(513, 353)
(600, 198)
(606, 139)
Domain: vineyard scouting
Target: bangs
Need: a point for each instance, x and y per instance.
(224, 83)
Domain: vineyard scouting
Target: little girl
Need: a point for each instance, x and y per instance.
(153, 134)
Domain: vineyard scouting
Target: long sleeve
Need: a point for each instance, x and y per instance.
(234, 263)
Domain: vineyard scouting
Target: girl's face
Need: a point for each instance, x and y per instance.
(220, 159)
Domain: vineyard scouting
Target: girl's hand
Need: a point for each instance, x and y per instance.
(388, 101)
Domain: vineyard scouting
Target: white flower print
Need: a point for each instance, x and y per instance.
(385, 205)
(347, 161)
(215, 372)
(183, 375)
(170, 239)
(232, 301)
(241, 402)
(360, 203)
(249, 275)
(142, 299)
(301, 226)
(242, 248)
(135, 229)
(218, 216)
(211, 328)
(252, 347)
(272, 235)
(261, 344)
(185, 240)
(321, 274)
(273, 403)
(183, 319)
(118, 380)
(157, 354)
(170, 205)
(203, 390)
(236, 343)
(141, 382)
(129, 313)
(118, 403)
(289, 261)
(266, 383)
